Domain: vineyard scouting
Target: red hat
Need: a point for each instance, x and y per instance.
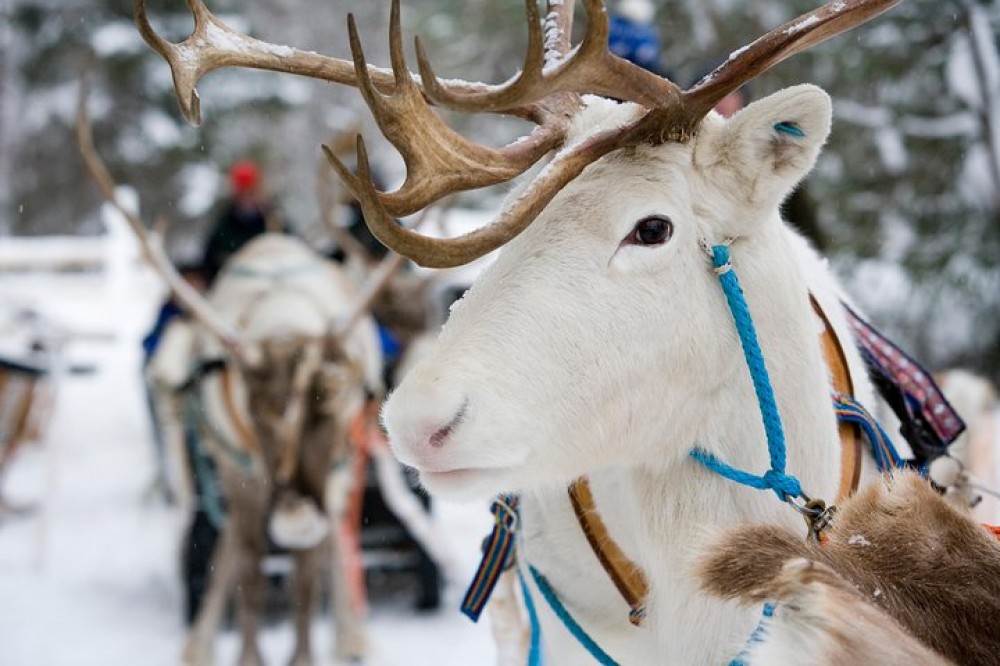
(244, 176)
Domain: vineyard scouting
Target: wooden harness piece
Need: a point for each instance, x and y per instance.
(627, 576)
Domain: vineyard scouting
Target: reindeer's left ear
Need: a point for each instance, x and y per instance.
(773, 143)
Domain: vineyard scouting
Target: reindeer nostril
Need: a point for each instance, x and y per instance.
(438, 439)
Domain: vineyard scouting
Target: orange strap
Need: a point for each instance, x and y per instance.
(993, 529)
(360, 431)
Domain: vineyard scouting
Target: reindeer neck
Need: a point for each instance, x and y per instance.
(687, 497)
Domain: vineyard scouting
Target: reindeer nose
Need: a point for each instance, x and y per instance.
(422, 422)
(440, 437)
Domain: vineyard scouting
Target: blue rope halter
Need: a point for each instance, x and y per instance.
(785, 485)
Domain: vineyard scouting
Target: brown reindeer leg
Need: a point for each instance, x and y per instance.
(198, 650)
(250, 590)
(305, 594)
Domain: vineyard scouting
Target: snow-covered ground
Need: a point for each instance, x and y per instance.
(92, 576)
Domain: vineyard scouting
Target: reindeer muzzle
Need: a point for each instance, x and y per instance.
(297, 523)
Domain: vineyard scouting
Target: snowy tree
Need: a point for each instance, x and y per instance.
(907, 194)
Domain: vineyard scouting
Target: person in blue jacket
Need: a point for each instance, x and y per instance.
(633, 35)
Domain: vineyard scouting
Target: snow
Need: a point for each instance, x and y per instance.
(118, 38)
(942, 127)
(876, 281)
(887, 133)
(961, 74)
(553, 33)
(228, 40)
(200, 184)
(91, 577)
(50, 253)
(976, 184)
(802, 25)
(52, 105)
(891, 149)
(162, 131)
(858, 540)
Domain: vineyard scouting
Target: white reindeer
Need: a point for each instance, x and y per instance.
(600, 342)
(625, 359)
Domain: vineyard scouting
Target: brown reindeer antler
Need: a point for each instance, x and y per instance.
(438, 160)
(551, 68)
(189, 299)
(547, 92)
(214, 45)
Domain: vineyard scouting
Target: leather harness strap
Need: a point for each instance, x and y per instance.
(247, 433)
(624, 573)
(627, 576)
(840, 373)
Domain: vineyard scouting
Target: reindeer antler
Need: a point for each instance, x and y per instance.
(779, 44)
(439, 161)
(186, 295)
(665, 113)
(549, 68)
(214, 45)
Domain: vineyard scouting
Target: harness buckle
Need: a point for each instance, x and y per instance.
(816, 513)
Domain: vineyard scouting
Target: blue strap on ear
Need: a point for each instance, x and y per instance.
(789, 128)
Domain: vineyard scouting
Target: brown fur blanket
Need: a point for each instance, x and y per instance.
(900, 563)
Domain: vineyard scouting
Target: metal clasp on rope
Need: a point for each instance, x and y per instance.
(817, 514)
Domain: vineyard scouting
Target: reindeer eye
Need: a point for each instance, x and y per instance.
(652, 230)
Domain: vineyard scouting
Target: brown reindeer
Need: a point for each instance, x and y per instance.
(287, 353)
(902, 577)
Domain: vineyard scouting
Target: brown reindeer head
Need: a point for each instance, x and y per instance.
(300, 389)
(300, 397)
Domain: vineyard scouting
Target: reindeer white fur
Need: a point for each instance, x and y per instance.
(580, 353)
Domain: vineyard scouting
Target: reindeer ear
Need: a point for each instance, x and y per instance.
(773, 143)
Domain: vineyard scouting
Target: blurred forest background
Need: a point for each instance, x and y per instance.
(907, 193)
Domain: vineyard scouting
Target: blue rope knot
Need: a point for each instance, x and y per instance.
(785, 485)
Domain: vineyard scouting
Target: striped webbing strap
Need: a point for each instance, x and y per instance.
(929, 422)
(497, 553)
(851, 411)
